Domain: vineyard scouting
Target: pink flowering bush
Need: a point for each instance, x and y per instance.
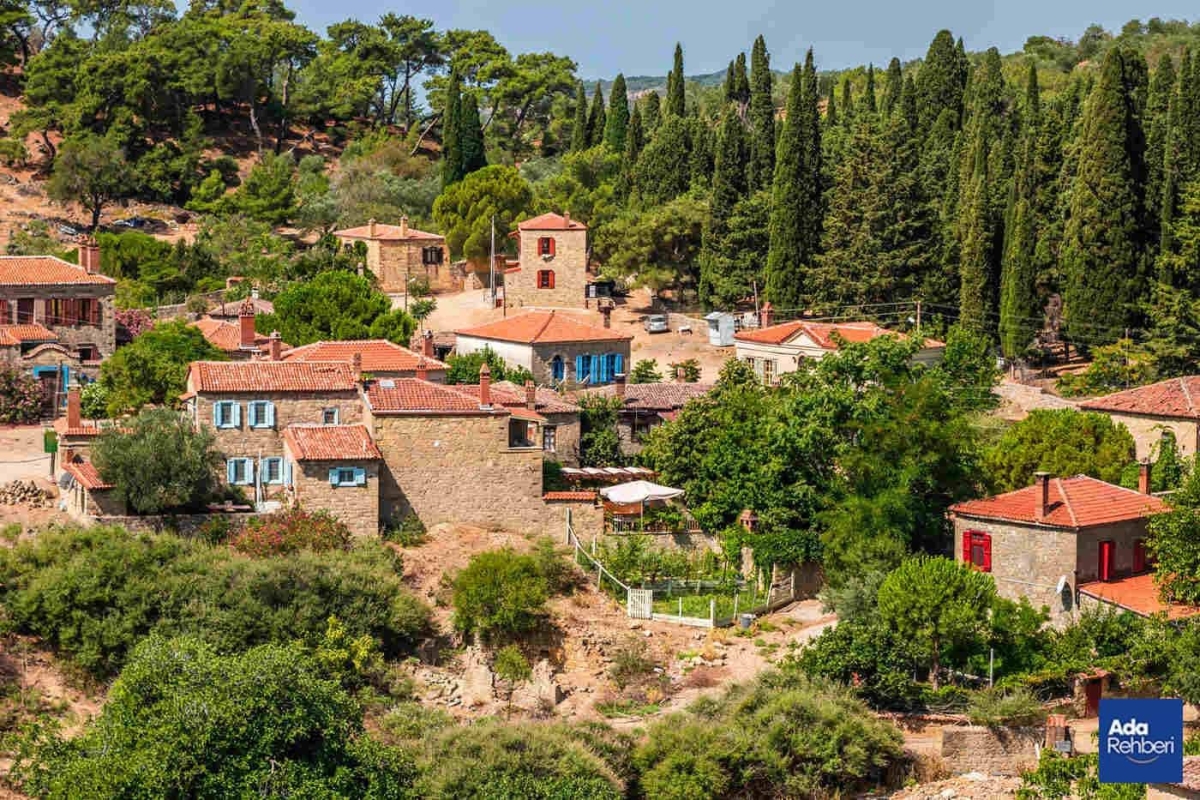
(20, 397)
(134, 320)
(291, 531)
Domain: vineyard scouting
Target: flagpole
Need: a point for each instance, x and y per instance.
(492, 261)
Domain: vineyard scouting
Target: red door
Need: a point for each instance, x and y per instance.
(1091, 691)
(1106, 560)
(1139, 556)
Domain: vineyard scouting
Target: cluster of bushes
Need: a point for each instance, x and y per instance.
(93, 594)
(292, 531)
(20, 397)
(501, 594)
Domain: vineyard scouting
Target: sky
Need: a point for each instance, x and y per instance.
(637, 37)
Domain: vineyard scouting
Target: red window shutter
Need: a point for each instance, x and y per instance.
(987, 550)
(3, 312)
(1139, 555)
(551, 246)
(1106, 560)
(550, 276)
(966, 546)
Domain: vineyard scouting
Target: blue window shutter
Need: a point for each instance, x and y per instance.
(620, 361)
(270, 414)
(230, 470)
(595, 370)
(360, 476)
(217, 414)
(579, 373)
(236, 421)
(333, 477)
(248, 470)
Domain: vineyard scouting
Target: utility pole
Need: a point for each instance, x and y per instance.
(492, 262)
(918, 319)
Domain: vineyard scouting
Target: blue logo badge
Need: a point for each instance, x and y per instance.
(1141, 741)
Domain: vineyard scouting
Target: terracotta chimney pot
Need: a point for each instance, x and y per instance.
(530, 396)
(766, 315)
(246, 325)
(74, 409)
(371, 227)
(1042, 481)
(1144, 470)
(422, 370)
(276, 346)
(404, 227)
(427, 344)
(356, 366)
(485, 387)
(619, 385)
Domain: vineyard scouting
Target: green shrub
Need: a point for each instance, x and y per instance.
(20, 397)
(410, 532)
(511, 666)
(630, 663)
(291, 531)
(93, 401)
(94, 593)
(994, 707)
(552, 565)
(500, 593)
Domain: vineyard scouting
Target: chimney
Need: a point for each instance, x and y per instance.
(619, 384)
(356, 366)
(89, 255)
(371, 227)
(766, 315)
(485, 387)
(404, 227)
(567, 219)
(276, 346)
(427, 344)
(246, 323)
(606, 313)
(530, 396)
(422, 370)
(1042, 481)
(74, 405)
(1144, 476)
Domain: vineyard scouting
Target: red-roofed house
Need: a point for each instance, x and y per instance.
(1046, 541)
(87, 494)
(555, 346)
(398, 253)
(239, 340)
(1150, 411)
(557, 417)
(56, 318)
(334, 468)
(552, 264)
(380, 358)
(775, 349)
(645, 406)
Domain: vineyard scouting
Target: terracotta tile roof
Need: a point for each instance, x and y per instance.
(86, 473)
(386, 232)
(551, 222)
(331, 443)
(655, 396)
(1177, 397)
(1078, 502)
(570, 496)
(544, 327)
(227, 336)
(415, 396)
(32, 332)
(378, 355)
(270, 376)
(83, 429)
(822, 333)
(521, 412)
(1137, 593)
(509, 394)
(42, 270)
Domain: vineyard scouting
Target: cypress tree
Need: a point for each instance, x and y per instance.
(701, 147)
(741, 83)
(727, 90)
(1103, 246)
(976, 231)
(618, 116)
(728, 186)
(452, 156)
(634, 140)
(1020, 310)
(795, 228)
(579, 131)
(596, 118)
(675, 85)
(831, 111)
(1181, 159)
(1162, 86)
(663, 169)
(762, 118)
(908, 103)
(847, 102)
(895, 87)
(869, 95)
(939, 82)
(470, 136)
(651, 114)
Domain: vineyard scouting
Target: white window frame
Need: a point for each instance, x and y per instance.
(265, 470)
(550, 438)
(337, 416)
(245, 465)
(260, 414)
(227, 415)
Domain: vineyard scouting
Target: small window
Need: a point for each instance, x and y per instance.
(330, 416)
(347, 476)
(545, 279)
(549, 435)
(768, 371)
(558, 369)
(272, 470)
(227, 414)
(977, 550)
(239, 471)
(546, 246)
(431, 255)
(260, 414)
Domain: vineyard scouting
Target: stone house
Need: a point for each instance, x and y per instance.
(558, 423)
(56, 318)
(380, 358)
(397, 254)
(773, 350)
(334, 468)
(556, 347)
(1148, 412)
(87, 495)
(645, 406)
(1049, 541)
(239, 340)
(551, 270)
(249, 404)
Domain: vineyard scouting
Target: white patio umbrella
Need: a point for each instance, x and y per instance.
(639, 492)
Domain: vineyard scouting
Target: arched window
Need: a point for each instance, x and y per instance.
(558, 370)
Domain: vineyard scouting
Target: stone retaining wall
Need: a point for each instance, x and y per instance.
(992, 751)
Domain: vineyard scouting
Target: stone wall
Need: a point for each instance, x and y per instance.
(992, 751)
(569, 264)
(356, 506)
(1148, 431)
(544, 353)
(103, 336)
(394, 262)
(566, 439)
(1163, 791)
(182, 524)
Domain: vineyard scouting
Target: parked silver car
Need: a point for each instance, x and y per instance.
(656, 323)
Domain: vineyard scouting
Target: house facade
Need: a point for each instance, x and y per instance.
(1171, 406)
(556, 347)
(397, 254)
(558, 418)
(774, 350)
(56, 318)
(552, 264)
(379, 357)
(645, 406)
(239, 340)
(1050, 541)
(334, 468)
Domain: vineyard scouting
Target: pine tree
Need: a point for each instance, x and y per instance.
(1104, 241)
(831, 112)
(452, 156)
(940, 83)
(727, 89)
(728, 186)
(869, 93)
(651, 114)
(617, 125)
(596, 118)
(470, 135)
(1019, 306)
(795, 229)
(663, 168)
(579, 131)
(675, 85)
(762, 118)
(895, 87)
